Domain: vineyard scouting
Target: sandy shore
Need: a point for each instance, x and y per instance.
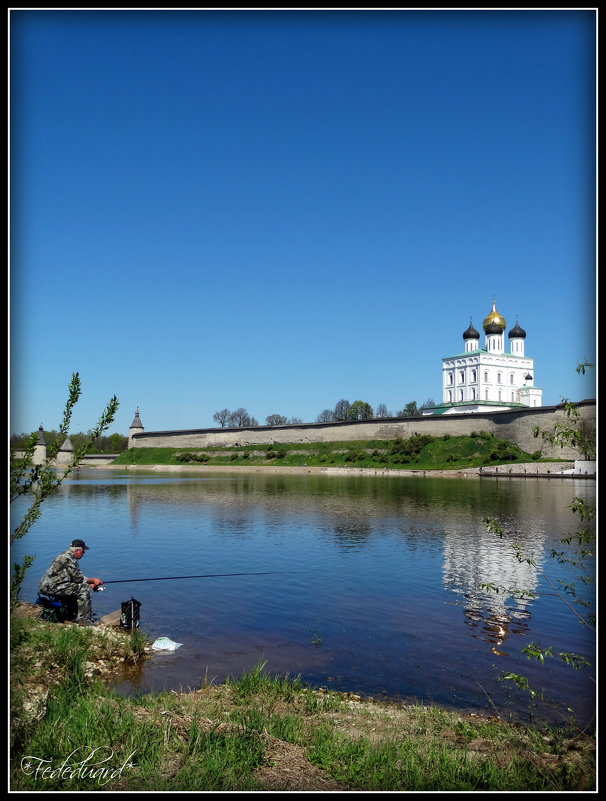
(529, 470)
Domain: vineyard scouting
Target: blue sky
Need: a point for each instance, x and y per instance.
(278, 210)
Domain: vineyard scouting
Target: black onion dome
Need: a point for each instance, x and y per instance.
(471, 332)
(517, 331)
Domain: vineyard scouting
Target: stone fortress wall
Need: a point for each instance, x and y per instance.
(513, 425)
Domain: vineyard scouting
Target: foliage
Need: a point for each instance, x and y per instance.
(114, 443)
(573, 432)
(420, 451)
(410, 410)
(360, 410)
(38, 481)
(576, 554)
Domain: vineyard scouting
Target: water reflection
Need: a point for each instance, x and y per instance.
(492, 614)
(387, 572)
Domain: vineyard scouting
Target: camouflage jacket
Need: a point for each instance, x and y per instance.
(63, 574)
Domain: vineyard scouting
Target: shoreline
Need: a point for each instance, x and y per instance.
(524, 470)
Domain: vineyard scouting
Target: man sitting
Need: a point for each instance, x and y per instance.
(64, 578)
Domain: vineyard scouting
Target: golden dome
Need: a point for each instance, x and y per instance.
(494, 318)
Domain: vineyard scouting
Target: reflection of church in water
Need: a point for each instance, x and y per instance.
(471, 561)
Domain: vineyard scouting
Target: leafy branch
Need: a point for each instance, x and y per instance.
(573, 432)
(40, 480)
(577, 554)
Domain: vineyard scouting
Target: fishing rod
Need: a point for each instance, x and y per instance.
(207, 575)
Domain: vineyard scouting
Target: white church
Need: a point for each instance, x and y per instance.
(488, 379)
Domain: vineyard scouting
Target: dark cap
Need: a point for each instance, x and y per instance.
(79, 544)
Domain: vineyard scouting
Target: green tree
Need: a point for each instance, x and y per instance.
(573, 432)
(410, 410)
(360, 410)
(117, 443)
(40, 480)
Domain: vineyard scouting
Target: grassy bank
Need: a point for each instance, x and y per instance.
(419, 452)
(262, 732)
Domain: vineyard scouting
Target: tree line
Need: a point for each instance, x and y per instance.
(239, 418)
(343, 410)
(114, 443)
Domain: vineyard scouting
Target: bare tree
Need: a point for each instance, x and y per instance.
(276, 420)
(342, 410)
(382, 411)
(222, 417)
(327, 416)
(239, 418)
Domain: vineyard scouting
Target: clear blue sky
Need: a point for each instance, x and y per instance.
(278, 210)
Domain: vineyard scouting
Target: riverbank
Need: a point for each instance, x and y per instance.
(261, 733)
(528, 470)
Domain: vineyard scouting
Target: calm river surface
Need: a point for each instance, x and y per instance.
(371, 584)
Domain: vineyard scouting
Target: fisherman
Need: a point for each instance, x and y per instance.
(64, 578)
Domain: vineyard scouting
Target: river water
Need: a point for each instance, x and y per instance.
(357, 583)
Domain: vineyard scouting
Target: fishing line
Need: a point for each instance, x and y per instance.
(207, 575)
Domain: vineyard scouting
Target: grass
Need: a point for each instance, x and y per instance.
(69, 731)
(418, 452)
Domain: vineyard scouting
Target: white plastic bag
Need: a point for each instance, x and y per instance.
(164, 644)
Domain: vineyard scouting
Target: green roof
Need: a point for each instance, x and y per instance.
(482, 350)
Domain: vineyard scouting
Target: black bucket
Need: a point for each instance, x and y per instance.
(129, 618)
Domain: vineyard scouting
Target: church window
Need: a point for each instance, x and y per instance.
(473, 375)
(486, 375)
(499, 394)
(460, 394)
(511, 378)
(449, 396)
(498, 378)
(486, 394)
(462, 377)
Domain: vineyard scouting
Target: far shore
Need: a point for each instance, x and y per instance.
(528, 470)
